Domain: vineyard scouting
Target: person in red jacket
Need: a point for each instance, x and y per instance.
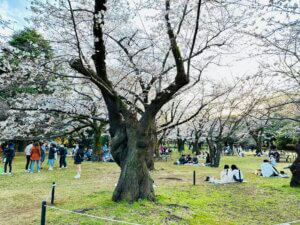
(35, 157)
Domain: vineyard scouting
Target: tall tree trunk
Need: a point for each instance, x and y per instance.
(97, 141)
(151, 147)
(180, 144)
(196, 147)
(215, 152)
(259, 143)
(129, 148)
(295, 169)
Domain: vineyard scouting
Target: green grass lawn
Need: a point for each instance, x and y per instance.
(259, 201)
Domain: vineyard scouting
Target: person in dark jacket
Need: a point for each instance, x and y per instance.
(9, 154)
(62, 157)
(51, 157)
(78, 158)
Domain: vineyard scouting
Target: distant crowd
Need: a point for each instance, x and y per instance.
(35, 155)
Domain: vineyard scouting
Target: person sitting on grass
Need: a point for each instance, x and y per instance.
(181, 159)
(225, 174)
(225, 177)
(267, 170)
(195, 160)
(188, 159)
(236, 174)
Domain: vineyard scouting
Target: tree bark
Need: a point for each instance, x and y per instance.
(180, 144)
(128, 149)
(97, 141)
(215, 153)
(151, 147)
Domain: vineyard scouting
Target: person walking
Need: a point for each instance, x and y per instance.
(78, 158)
(51, 157)
(35, 157)
(9, 153)
(28, 153)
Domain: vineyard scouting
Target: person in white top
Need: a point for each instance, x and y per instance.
(267, 170)
(236, 174)
(28, 153)
(224, 176)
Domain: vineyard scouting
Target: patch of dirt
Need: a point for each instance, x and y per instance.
(172, 218)
(170, 178)
(82, 210)
(178, 206)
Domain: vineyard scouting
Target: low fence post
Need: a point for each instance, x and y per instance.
(53, 193)
(194, 178)
(43, 216)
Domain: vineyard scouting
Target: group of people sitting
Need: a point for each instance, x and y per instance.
(193, 160)
(187, 160)
(164, 150)
(228, 176)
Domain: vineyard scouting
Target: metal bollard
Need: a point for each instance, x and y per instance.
(53, 193)
(194, 178)
(43, 216)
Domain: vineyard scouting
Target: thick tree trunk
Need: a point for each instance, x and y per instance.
(130, 146)
(295, 169)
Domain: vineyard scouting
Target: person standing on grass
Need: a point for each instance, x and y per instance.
(51, 157)
(62, 157)
(35, 157)
(9, 154)
(43, 153)
(28, 153)
(78, 158)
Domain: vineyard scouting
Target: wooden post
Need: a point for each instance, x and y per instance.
(43, 216)
(53, 193)
(194, 178)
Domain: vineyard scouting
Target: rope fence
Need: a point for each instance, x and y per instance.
(52, 195)
(91, 216)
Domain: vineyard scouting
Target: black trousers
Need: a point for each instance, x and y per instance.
(8, 162)
(27, 162)
(62, 161)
